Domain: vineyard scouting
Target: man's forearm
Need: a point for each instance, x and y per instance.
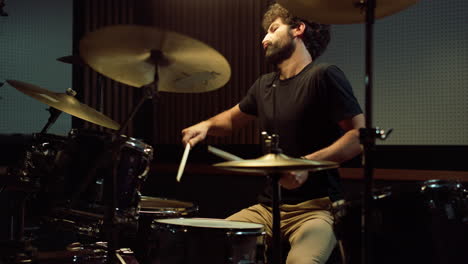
(345, 148)
(219, 125)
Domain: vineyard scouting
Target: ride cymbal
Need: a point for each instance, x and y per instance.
(130, 54)
(276, 163)
(342, 11)
(66, 103)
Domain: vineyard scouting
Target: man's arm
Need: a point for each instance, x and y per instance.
(347, 146)
(219, 125)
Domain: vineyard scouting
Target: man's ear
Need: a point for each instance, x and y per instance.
(299, 30)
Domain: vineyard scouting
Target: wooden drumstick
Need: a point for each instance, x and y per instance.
(183, 162)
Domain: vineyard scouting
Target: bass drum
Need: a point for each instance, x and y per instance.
(424, 222)
(204, 240)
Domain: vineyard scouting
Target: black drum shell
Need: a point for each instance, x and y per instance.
(414, 222)
(183, 244)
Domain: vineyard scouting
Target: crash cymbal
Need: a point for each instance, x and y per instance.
(127, 54)
(276, 163)
(342, 11)
(66, 103)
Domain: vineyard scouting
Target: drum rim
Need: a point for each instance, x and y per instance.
(248, 225)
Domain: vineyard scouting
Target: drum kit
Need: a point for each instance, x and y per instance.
(85, 187)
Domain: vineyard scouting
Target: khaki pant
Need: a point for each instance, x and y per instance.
(307, 226)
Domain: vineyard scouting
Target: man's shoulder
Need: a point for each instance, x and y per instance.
(323, 70)
(322, 67)
(267, 77)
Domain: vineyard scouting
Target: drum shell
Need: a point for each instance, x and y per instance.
(183, 244)
(90, 149)
(84, 151)
(414, 222)
(153, 208)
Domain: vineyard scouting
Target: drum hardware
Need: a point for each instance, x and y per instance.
(129, 160)
(77, 60)
(94, 253)
(274, 164)
(139, 56)
(54, 113)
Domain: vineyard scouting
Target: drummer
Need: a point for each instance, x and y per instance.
(317, 117)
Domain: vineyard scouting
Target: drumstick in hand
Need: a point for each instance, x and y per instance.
(183, 162)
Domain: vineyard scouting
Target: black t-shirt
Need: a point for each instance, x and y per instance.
(304, 111)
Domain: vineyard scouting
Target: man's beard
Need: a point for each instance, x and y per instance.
(276, 55)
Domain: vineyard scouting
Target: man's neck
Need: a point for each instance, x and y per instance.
(296, 63)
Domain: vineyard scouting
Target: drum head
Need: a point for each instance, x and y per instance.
(210, 223)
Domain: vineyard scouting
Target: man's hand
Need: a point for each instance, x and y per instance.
(195, 133)
(294, 179)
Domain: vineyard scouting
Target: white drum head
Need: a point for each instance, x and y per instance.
(210, 223)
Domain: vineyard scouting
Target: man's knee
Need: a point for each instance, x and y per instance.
(312, 243)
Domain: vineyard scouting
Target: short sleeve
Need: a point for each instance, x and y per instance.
(340, 97)
(248, 104)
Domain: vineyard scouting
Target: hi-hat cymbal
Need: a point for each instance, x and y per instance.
(276, 163)
(127, 54)
(66, 103)
(342, 11)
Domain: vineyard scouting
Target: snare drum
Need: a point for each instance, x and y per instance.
(204, 240)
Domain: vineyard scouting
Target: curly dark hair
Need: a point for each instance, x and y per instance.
(316, 36)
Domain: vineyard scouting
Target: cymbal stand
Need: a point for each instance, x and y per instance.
(110, 215)
(111, 231)
(55, 113)
(369, 134)
(271, 143)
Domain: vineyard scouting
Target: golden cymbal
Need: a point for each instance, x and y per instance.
(129, 54)
(342, 11)
(276, 163)
(66, 103)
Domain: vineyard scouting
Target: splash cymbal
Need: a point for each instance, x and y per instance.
(129, 54)
(342, 11)
(276, 163)
(66, 103)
